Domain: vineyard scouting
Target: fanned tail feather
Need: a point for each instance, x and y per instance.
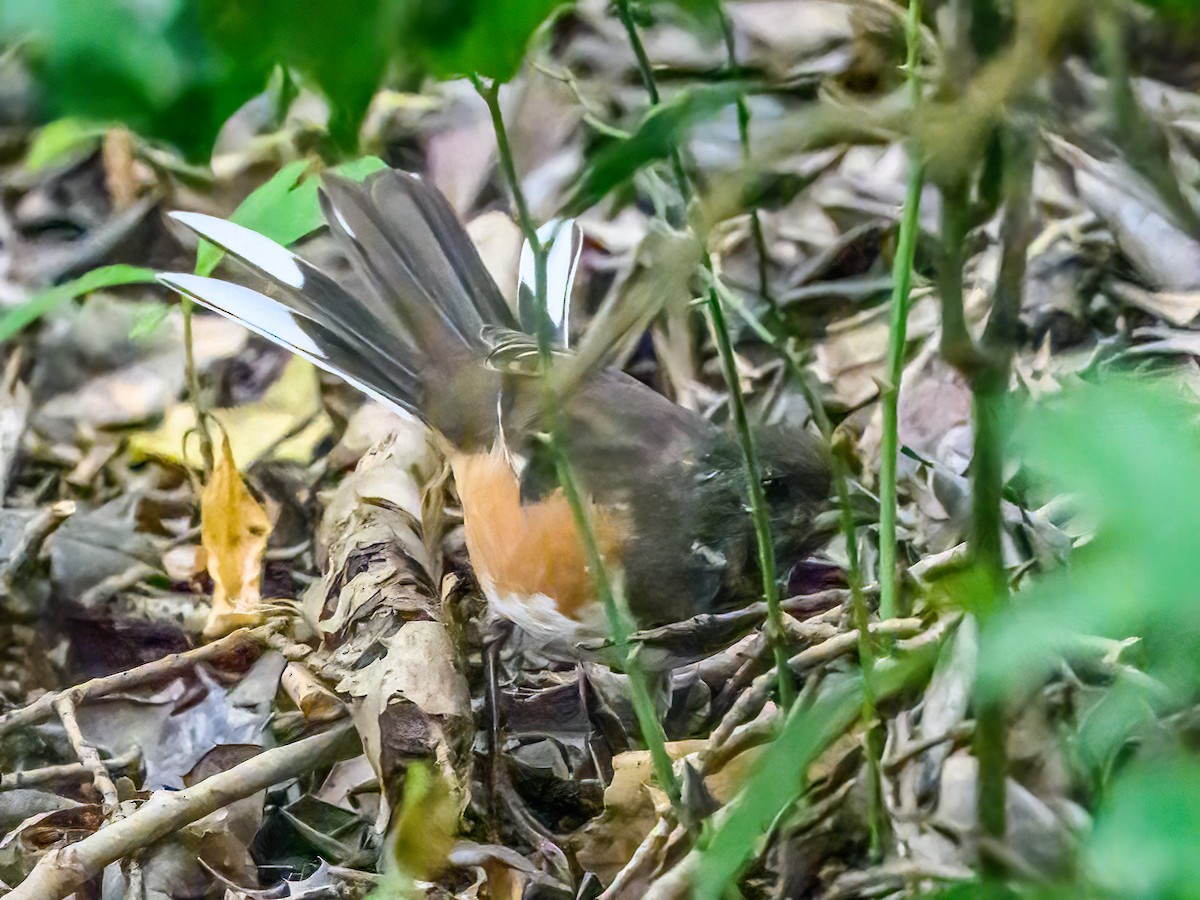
(419, 320)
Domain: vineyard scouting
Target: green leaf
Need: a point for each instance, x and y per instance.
(461, 37)
(340, 47)
(426, 824)
(1185, 9)
(1128, 453)
(60, 139)
(20, 317)
(660, 132)
(778, 778)
(286, 208)
(1145, 838)
(149, 64)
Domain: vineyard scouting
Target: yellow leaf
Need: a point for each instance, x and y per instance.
(233, 530)
(291, 406)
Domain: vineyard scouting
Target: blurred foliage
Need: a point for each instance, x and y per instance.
(175, 70)
(1144, 841)
(154, 65)
(62, 138)
(1189, 9)
(1128, 451)
(458, 37)
(426, 825)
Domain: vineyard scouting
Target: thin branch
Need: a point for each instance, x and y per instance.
(64, 772)
(846, 642)
(17, 569)
(37, 530)
(43, 707)
(88, 755)
(905, 754)
(990, 386)
(62, 871)
(193, 382)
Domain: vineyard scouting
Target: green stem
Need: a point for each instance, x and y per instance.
(990, 728)
(646, 72)
(1132, 129)
(841, 484)
(743, 120)
(987, 465)
(752, 471)
(902, 273)
(758, 501)
(193, 381)
(615, 608)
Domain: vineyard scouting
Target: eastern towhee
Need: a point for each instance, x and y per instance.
(418, 332)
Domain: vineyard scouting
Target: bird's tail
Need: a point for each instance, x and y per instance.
(412, 332)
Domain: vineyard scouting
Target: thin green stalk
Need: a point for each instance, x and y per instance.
(743, 120)
(193, 382)
(752, 470)
(1133, 130)
(758, 501)
(858, 604)
(874, 738)
(614, 604)
(990, 727)
(902, 273)
(989, 387)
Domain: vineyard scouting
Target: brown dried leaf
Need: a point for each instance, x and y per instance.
(234, 530)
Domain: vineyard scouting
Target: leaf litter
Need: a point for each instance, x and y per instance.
(475, 768)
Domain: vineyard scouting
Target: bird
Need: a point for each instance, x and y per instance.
(421, 329)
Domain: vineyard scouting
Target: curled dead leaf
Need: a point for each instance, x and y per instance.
(233, 530)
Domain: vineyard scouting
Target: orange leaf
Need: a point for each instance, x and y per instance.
(234, 530)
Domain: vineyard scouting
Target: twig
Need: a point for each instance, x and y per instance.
(193, 382)
(43, 707)
(903, 755)
(646, 858)
(37, 530)
(16, 570)
(65, 772)
(62, 871)
(846, 642)
(88, 755)
(115, 584)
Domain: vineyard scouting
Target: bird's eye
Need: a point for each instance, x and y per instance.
(774, 488)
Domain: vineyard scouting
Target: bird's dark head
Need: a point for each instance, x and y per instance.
(795, 474)
(796, 482)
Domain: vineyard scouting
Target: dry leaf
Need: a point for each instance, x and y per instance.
(291, 406)
(234, 530)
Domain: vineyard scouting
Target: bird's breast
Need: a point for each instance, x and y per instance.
(529, 557)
